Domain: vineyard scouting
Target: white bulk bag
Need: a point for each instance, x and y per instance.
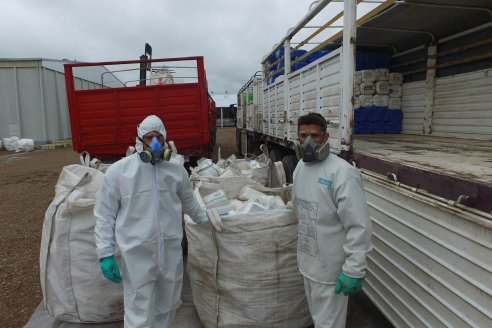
(10, 144)
(395, 78)
(356, 90)
(207, 168)
(356, 102)
(368, 75)
(358, 77)
(382, 74)
(247, 274)
(382, 87)
(394, 103)
(381, 100)
(366, 101)
(24, 145)
(367, 88)
(395, 91)
(73, 286)
(253, 169)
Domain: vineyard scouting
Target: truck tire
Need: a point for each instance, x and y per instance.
(289, 162)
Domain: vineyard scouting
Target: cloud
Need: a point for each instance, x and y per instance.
(233, 36)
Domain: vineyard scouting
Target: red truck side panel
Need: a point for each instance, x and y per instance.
(104, 121)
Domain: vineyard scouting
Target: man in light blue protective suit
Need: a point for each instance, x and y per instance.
(139, 207)
(334, 225)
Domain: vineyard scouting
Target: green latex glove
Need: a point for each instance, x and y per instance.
(110, 269)
(348, 285)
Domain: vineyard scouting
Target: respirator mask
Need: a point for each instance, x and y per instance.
(311, 151)
(155, 152)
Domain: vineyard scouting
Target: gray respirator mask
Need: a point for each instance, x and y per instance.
(311, 151)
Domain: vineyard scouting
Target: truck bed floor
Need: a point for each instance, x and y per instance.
(448, 167)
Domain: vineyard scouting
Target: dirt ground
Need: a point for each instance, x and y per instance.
(27, 182)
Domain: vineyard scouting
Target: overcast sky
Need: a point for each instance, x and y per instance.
(232, 35)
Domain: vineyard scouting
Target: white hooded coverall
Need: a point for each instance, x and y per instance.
(139, 206)
(334, 233)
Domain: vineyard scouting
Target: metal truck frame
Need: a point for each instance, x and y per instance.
(429, 189)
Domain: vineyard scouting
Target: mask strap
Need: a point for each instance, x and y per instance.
(140, 139)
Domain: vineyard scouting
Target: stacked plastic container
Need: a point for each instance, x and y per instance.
(377, 94)
(295, 54)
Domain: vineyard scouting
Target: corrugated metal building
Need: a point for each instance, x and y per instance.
(226, 105)
(33, 101)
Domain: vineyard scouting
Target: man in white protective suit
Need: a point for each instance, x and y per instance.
(334, 225)
(139, 207)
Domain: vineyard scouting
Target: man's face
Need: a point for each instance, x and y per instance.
(147, 138)
(312, 130)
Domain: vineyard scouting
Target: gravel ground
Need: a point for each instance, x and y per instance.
(27, 182)
(26, 190)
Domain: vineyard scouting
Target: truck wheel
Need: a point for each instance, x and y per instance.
(275, 155)
(289, 162)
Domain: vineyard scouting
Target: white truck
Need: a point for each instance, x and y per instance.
(428, 177)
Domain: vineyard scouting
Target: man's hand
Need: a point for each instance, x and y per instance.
(348, 285)
(110, 269)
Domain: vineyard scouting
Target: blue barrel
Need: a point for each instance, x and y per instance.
(378, 114)
(393, 127)
(357, 127)
(366, 127)
(360, 114)
(298, 65)
(379, 127)
(386, 114)
(371, 115)
(297, 53)
(314, 56)
(396, 115)
(279, 53)
(383, 60)
(359, 61)
(370, 60)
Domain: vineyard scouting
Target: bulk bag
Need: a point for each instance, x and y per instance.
(73, 286)
(247, 274)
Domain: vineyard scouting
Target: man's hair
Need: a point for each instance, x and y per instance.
(312, 119)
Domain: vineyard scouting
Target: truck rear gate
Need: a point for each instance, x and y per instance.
(104, 120)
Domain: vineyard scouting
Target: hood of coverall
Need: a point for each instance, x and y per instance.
(150, 123)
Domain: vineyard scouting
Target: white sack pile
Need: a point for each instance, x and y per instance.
(18, 145)
(10, 144)
(246, 275)
(258, 168)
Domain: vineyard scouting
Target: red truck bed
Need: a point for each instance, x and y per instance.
(104, 120)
